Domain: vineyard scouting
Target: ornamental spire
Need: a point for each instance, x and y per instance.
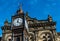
(49, 18)
(20, 11)
(6, 22)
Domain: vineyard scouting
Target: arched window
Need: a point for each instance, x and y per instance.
(44, 37)
(9, 39)
(18, 38)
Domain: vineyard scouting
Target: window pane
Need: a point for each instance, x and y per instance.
(18, 38)
(44, 37)
(48, 36)
(49, 40)
(9, 39)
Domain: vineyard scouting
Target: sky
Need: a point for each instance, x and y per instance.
(36, 8)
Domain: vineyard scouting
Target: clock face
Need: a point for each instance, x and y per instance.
(17, 22)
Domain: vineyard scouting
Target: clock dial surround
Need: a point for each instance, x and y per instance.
(17, 21)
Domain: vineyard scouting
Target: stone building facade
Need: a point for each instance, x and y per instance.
(24, 28)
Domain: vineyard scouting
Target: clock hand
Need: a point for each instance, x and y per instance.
(17, 21)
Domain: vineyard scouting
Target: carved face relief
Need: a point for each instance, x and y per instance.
(46, 36)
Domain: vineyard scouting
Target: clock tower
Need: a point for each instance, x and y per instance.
(19, 32)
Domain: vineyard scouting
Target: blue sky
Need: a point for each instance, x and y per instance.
(36, 8)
